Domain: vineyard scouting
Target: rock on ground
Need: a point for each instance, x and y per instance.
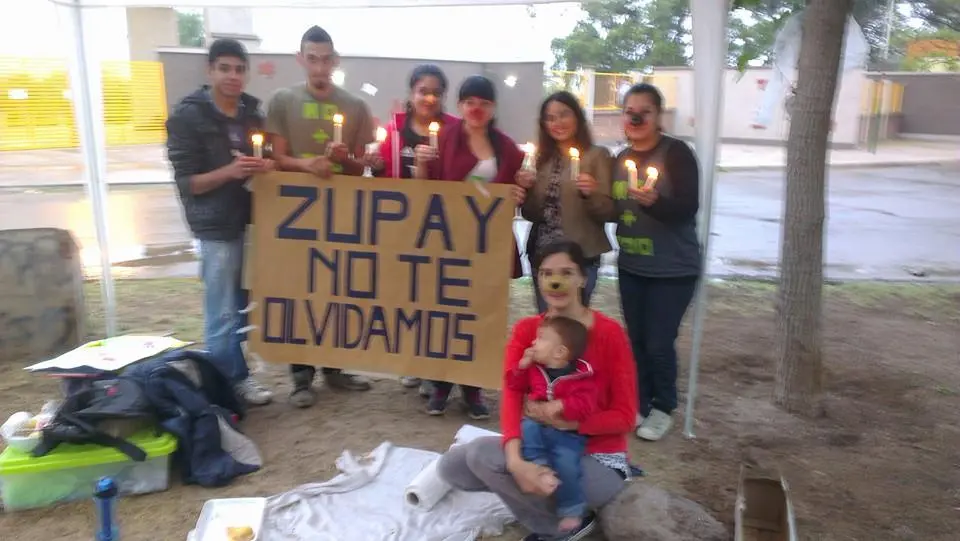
(646, 512)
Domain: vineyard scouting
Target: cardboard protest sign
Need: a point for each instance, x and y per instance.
(403, 277)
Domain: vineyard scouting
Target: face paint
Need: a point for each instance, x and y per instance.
(475, 113)
(637, 119)
(558, 284)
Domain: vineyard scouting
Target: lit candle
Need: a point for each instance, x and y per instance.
(574, 163)
(374, 148)
(530, 152)
(632, 179)
(337, 128)
(652, 175)
(434, 129)
(257, 140)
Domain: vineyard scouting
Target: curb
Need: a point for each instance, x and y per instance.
(873, 165)
(720, 168)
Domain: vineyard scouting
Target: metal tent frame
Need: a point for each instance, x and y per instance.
(709, 59)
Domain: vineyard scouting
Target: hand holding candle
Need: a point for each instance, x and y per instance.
(652, 175)
(257, 140)
(434, 129)
(574, 163)
(338, 128)
(632, 180)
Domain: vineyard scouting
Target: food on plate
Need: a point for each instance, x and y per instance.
(240, 533)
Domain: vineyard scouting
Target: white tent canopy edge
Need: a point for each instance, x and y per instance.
(709, 61)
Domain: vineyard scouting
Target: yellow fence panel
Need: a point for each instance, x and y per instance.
(36, 111)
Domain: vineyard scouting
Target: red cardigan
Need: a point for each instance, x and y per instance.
(577, 391)
(615, 375)
(456, 161)
(393, 132)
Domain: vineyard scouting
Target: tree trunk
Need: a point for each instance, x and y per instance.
(799, 309)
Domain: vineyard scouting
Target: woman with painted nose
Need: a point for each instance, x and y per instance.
(657, 197)
(559, 201)
(407, 131)
(471, 149)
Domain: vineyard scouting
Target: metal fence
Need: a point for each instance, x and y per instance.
(36, 111)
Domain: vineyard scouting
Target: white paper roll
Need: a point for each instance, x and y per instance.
(426, 489)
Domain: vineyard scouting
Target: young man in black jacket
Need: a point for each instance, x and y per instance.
(209, 145)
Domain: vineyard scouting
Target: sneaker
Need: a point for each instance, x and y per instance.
(253, 392)
(425, 390)
(639, 421)
(346, 382)
(303, 395)
(587, 526)
(655, 426)
(476, 408)
(409, 382)
(437, 404)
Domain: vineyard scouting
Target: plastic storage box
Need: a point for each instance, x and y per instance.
(70, 472)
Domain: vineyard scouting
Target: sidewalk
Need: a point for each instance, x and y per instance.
(147, 164)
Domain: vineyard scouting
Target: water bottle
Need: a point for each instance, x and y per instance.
(105, 497)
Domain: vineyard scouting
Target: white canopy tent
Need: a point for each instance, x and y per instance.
(709, 60)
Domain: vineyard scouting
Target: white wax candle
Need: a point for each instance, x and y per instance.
(257, 140)
(652, 175)
(434, 129)
(529, 157)
(632, 179)
(574, 163)
(338, 128)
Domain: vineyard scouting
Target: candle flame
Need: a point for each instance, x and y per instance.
(574, 154)
(631, 165)
(381, 135)
(337, 119)
(652, 172)
(529, 148)
(257, 139)
(434, 127)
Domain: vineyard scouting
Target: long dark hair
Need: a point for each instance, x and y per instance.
(478, 86)
(547, 147)
(561, 246)
(419, 73)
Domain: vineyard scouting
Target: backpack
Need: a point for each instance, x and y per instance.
(105, 413)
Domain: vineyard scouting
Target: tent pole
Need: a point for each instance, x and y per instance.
(88, 110)
(709, 66)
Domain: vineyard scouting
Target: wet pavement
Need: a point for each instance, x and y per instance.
(896, 223)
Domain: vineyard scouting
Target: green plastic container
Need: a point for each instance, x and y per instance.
(70, 472)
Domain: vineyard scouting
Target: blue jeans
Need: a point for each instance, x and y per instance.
(592, 272)
(562, 452)
(653, 309)
(221, 269)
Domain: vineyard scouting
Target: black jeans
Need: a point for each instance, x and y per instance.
(653, 309)
(443, 388)
(311, 370)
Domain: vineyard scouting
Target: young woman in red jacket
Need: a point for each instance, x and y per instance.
(471, 149)
(497, 464)
(407, 131)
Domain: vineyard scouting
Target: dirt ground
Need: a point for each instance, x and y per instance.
(883, 463)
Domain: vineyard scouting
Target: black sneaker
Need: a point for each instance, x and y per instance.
(587, 526)
(438, 402)
(476, 408)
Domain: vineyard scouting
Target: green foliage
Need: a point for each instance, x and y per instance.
(624, 35)
(938, 14)
(190, 28)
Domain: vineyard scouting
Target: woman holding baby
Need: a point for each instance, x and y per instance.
(501, 465)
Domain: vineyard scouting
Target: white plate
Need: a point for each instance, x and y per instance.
(217, 515)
